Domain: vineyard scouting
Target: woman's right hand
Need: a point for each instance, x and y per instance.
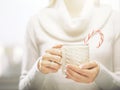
(51, 60)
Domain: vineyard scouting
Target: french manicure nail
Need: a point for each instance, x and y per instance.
(81, 66)
(66, 76)
(65, 71)
(66, 66)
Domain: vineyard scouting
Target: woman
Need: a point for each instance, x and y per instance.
(69, 21)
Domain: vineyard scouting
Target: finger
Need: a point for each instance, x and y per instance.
(55, 51)
(69, 76)
(50, 65)
(46, 70)
(93, 74)
(53, 58)
(89, 74)
(75, 76)
(58, 46)
(77, 69)
(89, 65)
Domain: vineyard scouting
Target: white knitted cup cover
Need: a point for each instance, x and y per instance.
(74, 54)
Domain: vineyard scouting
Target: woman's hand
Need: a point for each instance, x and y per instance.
(86, 73)
(51, 60)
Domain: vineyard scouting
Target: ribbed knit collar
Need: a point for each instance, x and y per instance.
(57, 22)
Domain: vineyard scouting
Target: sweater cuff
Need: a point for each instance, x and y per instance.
(36, 75)
(35, 69)
(32, 79)
(105, 79)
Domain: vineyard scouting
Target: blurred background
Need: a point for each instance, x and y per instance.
(14, 15)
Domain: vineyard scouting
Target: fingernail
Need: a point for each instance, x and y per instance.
(65, 71)
(66, 76)
(81, 66)
(66, 66)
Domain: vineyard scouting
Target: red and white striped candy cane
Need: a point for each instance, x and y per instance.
(90, 35)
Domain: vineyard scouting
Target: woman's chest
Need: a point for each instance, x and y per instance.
(102, 54)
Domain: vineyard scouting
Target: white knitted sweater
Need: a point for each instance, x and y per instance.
(48, 28)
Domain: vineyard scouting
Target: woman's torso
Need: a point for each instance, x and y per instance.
(103, 54)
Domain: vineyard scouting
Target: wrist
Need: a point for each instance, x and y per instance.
(39, 64)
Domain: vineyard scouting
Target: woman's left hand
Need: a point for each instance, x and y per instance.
(86, 73)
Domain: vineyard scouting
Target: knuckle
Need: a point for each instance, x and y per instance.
(45, 56)
(59, 52)
(46, 51)
(57, 58)
(73, 74)
(58, 67)
(56, 70)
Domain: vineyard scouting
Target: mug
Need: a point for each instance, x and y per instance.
(74, 54)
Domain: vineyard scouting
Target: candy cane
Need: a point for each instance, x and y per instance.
(90, 35)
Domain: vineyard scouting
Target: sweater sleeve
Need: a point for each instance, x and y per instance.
(30, 77)
(106, 79)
